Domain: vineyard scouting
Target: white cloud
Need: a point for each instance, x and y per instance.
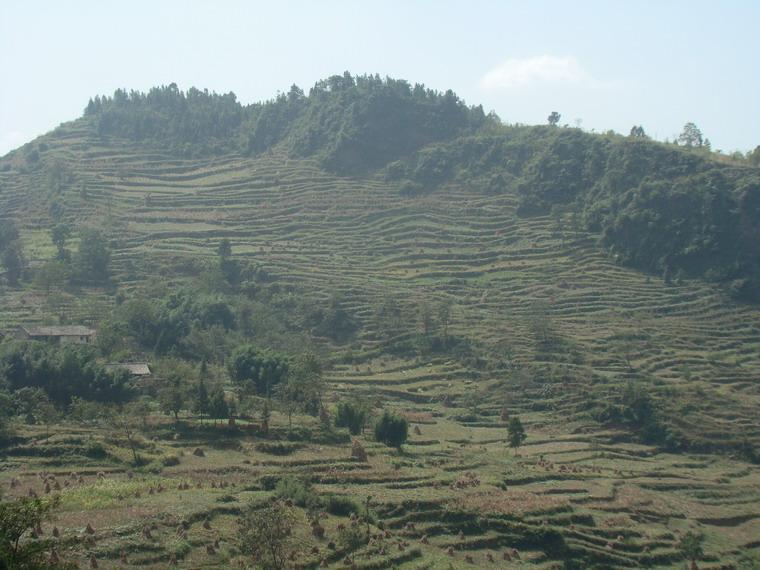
(517, 73)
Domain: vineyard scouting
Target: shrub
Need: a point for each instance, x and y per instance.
(351, 537)
(95, 450)
(269, 482)
(299, 433)
(341, 506)
(170, 460)
(298, 491)
(392, 430)
(277, 448)
(410, 188)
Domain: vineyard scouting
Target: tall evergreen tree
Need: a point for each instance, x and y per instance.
(13, 260)
(515, 433)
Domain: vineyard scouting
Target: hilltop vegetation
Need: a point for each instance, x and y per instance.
(351, 124)
(374, 308)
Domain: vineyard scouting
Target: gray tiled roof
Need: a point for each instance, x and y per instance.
(137, 368)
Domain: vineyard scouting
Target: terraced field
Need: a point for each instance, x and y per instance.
(457, 496)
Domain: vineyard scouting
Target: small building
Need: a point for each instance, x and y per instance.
(60, 334)
(140, 369)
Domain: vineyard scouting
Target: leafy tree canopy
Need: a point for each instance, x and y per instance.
(259, 370)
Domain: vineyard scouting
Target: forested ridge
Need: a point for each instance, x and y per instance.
(352, 124)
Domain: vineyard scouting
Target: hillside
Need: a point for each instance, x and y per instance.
(453, 269)
(657, 207)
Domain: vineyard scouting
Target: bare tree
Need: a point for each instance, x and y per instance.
(127, 422)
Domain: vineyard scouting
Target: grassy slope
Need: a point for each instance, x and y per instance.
(359, 237)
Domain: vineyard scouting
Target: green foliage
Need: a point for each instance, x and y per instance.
(11, 253)
(392, 429)
(59, 235)
(63, 373)
(217, 404)
(17, 518)
(351, 415)
(8, 233)
(7, 410)
(352, 537)
(691, 136)
(298, 491)
(32, 404)
(356, 124)
(202, 402)
(170, 460)
(303, 386)
(52, 275)
(58, 178)
(351, 124)
(257, 370)
(656, 206)
(224, 250)
(269, 122)
(92, 259)
(637, 132)
(389, 316)
(95, 450)
(173, 393)
(332, 320)
(194, 123)
(85, 411)
(278, 447)
(638, 412)
(171, 324)
(754, 156)
(32, 156)
(515, 432)
(690, 545)
(341, 506)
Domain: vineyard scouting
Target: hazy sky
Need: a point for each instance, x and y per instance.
(608, 64)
